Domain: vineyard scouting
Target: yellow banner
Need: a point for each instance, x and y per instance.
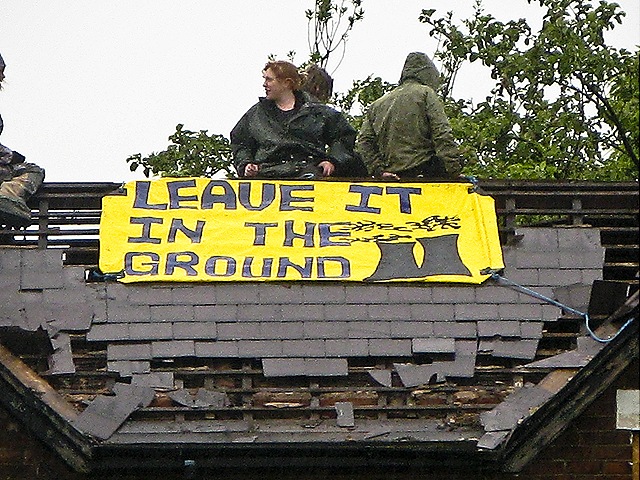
(198, 229)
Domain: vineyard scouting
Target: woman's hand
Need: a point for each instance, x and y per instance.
(251, 170)
(327, 168)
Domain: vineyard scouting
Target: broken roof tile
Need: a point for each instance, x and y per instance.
(105, 414)
(344, 414)
(128, 367)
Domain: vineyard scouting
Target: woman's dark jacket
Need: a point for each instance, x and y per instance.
(315, 130)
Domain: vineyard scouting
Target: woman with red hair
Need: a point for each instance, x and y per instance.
(290, 134)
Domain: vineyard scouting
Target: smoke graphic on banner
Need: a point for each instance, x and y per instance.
(197, 229)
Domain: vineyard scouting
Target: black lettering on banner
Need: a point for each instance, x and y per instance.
(344, 265)
(227, 197)
(267, 264)
(146, 223)
(175, 199)
(154, 260)
(404, 194)
(174, 261)
(212, 263)
(365, 193)
(324, 229)
(290, 235)
(268, 195)
(259, 237)
(177, 225)
(141, 199)
(303, 270)
(286, 198)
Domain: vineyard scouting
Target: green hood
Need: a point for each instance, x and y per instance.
(419, 67)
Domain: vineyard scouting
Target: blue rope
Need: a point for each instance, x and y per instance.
(500, 280)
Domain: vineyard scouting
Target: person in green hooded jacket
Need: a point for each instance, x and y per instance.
(406, 133)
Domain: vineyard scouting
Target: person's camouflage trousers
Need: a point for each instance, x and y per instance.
(18, 183)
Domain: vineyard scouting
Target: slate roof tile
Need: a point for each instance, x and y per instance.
(123, 313)
(523, 276)
(280, 293)
(172, 313)
(283, 367)
(215, 312)
(193, 294)
(466, 311)
(172, 349)
(433, 345)
(259, 348)
(324, 294)
(239, 331)
(557, 278)
(118, 292)
(361, 295)
(411, 329)
(368, 330)
(150, 331)
(153, 295)
(538, 259)
(346, 348)
(216, 349)
(407, 294)
(454, 329)
(531, 329)
(194, 331)
(115, 331)
(127, 367)
(345, 312)
(259, 312)
(303, 348)
(228, 293)
(389, 312)
(520, 312)
(381, 347)
(325, 329)
(589, 275)
(435, 313)
(579, 239)
(488, 293)
(302, 312)
(130, 351)
(449, 294)
(288, 330)
(487, 328)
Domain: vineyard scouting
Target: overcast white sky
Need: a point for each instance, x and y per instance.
(91, 82)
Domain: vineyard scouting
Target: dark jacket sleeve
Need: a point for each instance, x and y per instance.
(340, 138)
(243, 143)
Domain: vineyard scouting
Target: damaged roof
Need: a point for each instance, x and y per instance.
(266, 367)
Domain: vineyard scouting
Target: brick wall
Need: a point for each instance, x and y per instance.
(591, 448)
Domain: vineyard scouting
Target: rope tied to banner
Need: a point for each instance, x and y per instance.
(505, 282)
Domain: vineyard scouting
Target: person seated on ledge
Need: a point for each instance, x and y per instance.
(406, 133)
(290, 134)
(18, 181)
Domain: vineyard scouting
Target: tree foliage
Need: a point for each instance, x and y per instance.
(561, 104)
(329, 25)
(189, 154)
